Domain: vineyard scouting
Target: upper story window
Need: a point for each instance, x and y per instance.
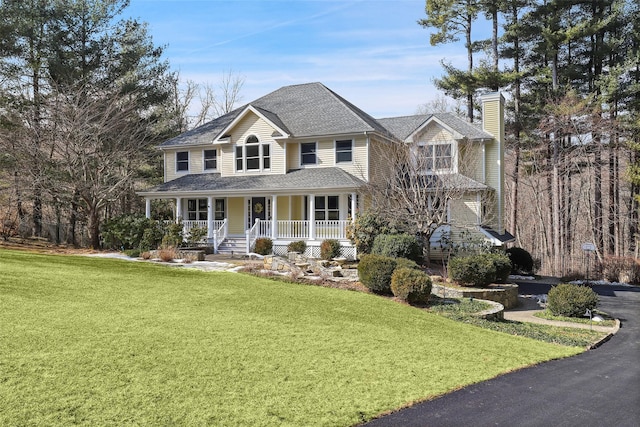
(308, 153)
(210, 159)
(182, 161)
(344, 151)
(435, 157)
(253, 156)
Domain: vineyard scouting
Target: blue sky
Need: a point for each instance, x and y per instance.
(372, 52)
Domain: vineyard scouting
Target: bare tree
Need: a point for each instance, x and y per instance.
(230, 87)
(97, 140)
(418, 187)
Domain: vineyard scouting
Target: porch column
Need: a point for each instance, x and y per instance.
(178, 208)
(147, 207)
(354, 206)
(312, 216)
(209, 217)
(274, 217)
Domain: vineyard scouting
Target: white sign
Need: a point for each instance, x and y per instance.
(589, 247)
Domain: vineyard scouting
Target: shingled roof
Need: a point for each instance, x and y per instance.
(302, 181)
(404, 127)
(305, 110)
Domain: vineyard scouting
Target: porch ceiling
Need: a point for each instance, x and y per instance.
(300, 181)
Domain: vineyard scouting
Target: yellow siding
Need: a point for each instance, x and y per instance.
(470, 160)
(170, 165)
(464, 213)
(283, 207)
(293, 156)
(296, 207)
(235, 209)
(493, 112)
(434, 132)
(251, 124)
(196, 157)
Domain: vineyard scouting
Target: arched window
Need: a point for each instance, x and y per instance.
(253, 155)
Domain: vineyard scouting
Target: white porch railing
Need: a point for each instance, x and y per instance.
(301, 230)
(188, 225)
(252, 234)
(220, 232)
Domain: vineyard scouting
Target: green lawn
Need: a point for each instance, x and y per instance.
(108, 342)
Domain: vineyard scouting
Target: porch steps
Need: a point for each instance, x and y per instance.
(235, 245)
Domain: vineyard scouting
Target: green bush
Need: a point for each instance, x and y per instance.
(173, 235)
(363, 231)
(375, 272)
(152, 237)
(521, 260)
(132, 253)
(330, 249)
(411, 285)
(300, 246)
(503, 266)
(125, 231)
(197, 235)
(480, 269)
(263, 246)
(406, 263)
(397, 246)
(571, 300)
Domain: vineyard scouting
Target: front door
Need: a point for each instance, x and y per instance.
(258, 210)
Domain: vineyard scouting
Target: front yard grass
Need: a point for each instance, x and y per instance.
(107, 342)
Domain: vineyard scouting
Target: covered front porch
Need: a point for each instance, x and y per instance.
(234, 223)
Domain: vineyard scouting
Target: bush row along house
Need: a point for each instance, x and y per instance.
(294, 165)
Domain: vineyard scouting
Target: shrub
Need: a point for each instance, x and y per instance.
(152, 237)
(503, 266)
(411, 285)
(125, 231)
(300, 246)
(571, 300)
(196, 235)
(173, 236)
(406, 263)
(132, 253)
(263, 246)
(480, 269)
(167, 254)
(397, 246)
(363, 231)
(375, 272)
(329, 249)
(521, 260)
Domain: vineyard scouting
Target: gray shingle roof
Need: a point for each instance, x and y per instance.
(305, 110)
(303, 180)
(403, 127)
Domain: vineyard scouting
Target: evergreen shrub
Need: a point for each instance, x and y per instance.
(329, 249)
(375, 272)
(263, 246)
(571, 300)
(411, 285)
(521, 260)
(397, 246)
(299, 246)
(480, 269)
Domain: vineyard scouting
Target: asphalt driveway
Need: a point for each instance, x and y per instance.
(600, 387)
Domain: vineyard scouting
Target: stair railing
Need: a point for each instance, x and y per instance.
(252, 234)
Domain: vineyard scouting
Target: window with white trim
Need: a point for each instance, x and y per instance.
(182, 161)
(197, 209)
(219, 211)
(344, 151)
(327, 208)
(210, 159)
(308, 153)
(253, 156)
(434, 156)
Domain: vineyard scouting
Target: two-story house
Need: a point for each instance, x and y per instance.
(293, 164)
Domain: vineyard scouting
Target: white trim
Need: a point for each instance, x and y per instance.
(242, 115)
(335, 151)
(183, 172)
(303, 165)
(204, 160)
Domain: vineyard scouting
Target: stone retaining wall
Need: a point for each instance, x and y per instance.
(505, 294)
